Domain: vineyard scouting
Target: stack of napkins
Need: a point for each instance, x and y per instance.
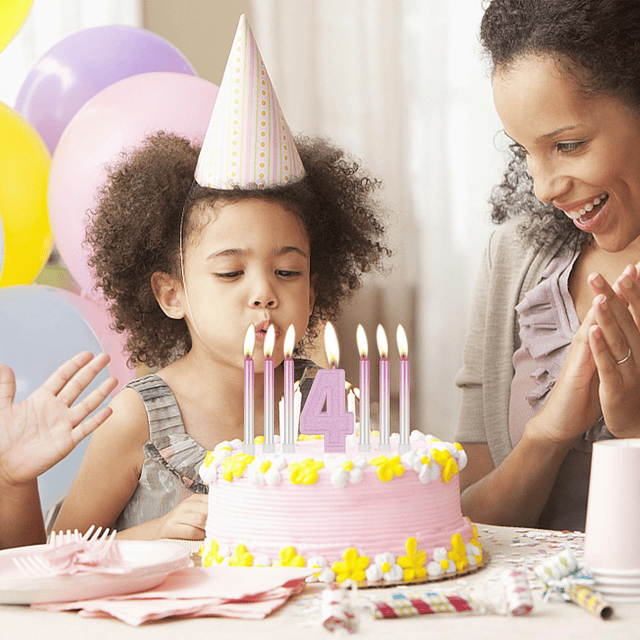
(234, 592)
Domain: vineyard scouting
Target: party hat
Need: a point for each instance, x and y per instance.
(248, 142)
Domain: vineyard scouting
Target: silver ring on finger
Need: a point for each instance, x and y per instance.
(625, 358)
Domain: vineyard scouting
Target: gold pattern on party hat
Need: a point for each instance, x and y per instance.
(248, 143)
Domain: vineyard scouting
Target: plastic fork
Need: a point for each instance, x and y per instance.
(70, 553)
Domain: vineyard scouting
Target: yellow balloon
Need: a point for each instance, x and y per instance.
(12, 14)
(24, 171)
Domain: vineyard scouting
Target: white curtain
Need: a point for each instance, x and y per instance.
(48, 22)
(402, 86)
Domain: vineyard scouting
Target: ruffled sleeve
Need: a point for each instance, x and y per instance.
(548, 323)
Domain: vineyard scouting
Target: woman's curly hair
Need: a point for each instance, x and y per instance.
(135, 231)
(598, 43)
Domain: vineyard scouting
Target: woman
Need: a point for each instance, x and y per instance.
(557, 304)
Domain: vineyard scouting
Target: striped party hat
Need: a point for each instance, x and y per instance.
(248, 143)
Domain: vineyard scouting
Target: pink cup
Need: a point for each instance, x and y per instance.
(612, 536)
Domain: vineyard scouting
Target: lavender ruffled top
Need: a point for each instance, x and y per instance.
(548, 322)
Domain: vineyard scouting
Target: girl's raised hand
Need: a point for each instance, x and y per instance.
(40, 431)
(615, 344)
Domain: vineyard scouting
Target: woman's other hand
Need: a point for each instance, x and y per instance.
(615, 344)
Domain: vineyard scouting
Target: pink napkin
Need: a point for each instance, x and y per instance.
(234, 592)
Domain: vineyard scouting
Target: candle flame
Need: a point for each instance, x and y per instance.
(361, 338)
(269, 341)
(383, 345)
(289, 341)
(331, 345)
(403, 345)
(249, 341)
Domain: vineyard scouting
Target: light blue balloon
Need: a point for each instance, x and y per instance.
(39, 331)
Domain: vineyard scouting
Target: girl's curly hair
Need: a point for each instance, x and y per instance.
(598, 43)
(134, 231)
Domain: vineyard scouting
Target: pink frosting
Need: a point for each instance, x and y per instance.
(324, 520)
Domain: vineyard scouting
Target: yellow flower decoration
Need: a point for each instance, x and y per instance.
(258, 440)
(289, 558)
(211, 556)
(458, 553)
(387, 468)
(304, 437)
(446, 461)
(234, 466)
(305, 472)
(241, 557)
(353, 567)
(476, 543)
(413, 562)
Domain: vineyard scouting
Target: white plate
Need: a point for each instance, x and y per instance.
(146, 565)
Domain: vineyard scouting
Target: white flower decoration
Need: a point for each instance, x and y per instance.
(385, 568)
(317, 562)
(411, 460)
(345, 470)
(327, 576)
(266, 470)
(429, 469)
(461, 458)
(209, 468)
(472, 551)
(442, 560)
(444, 446)
(261, 560)
(417, 436)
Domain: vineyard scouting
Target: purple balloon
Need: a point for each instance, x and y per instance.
(82, 64)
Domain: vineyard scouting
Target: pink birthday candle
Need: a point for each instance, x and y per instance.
(364, 443)
(385, 389)
(403, 350)
(249, 341)
(288, 441)
(269, 342)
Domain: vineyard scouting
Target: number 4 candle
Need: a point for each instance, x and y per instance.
(325, 412)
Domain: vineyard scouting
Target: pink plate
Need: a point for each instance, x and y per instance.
(146, 565)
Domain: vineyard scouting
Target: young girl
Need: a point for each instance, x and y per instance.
(274, 256)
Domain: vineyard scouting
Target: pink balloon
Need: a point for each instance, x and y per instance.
(82, 64)
(116, 119)
(97, 316)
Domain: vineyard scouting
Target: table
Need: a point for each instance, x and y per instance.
(507, 547)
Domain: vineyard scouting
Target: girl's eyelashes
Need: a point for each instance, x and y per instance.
(283, 273)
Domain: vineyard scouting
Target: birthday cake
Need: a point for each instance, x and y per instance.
(370, 517)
